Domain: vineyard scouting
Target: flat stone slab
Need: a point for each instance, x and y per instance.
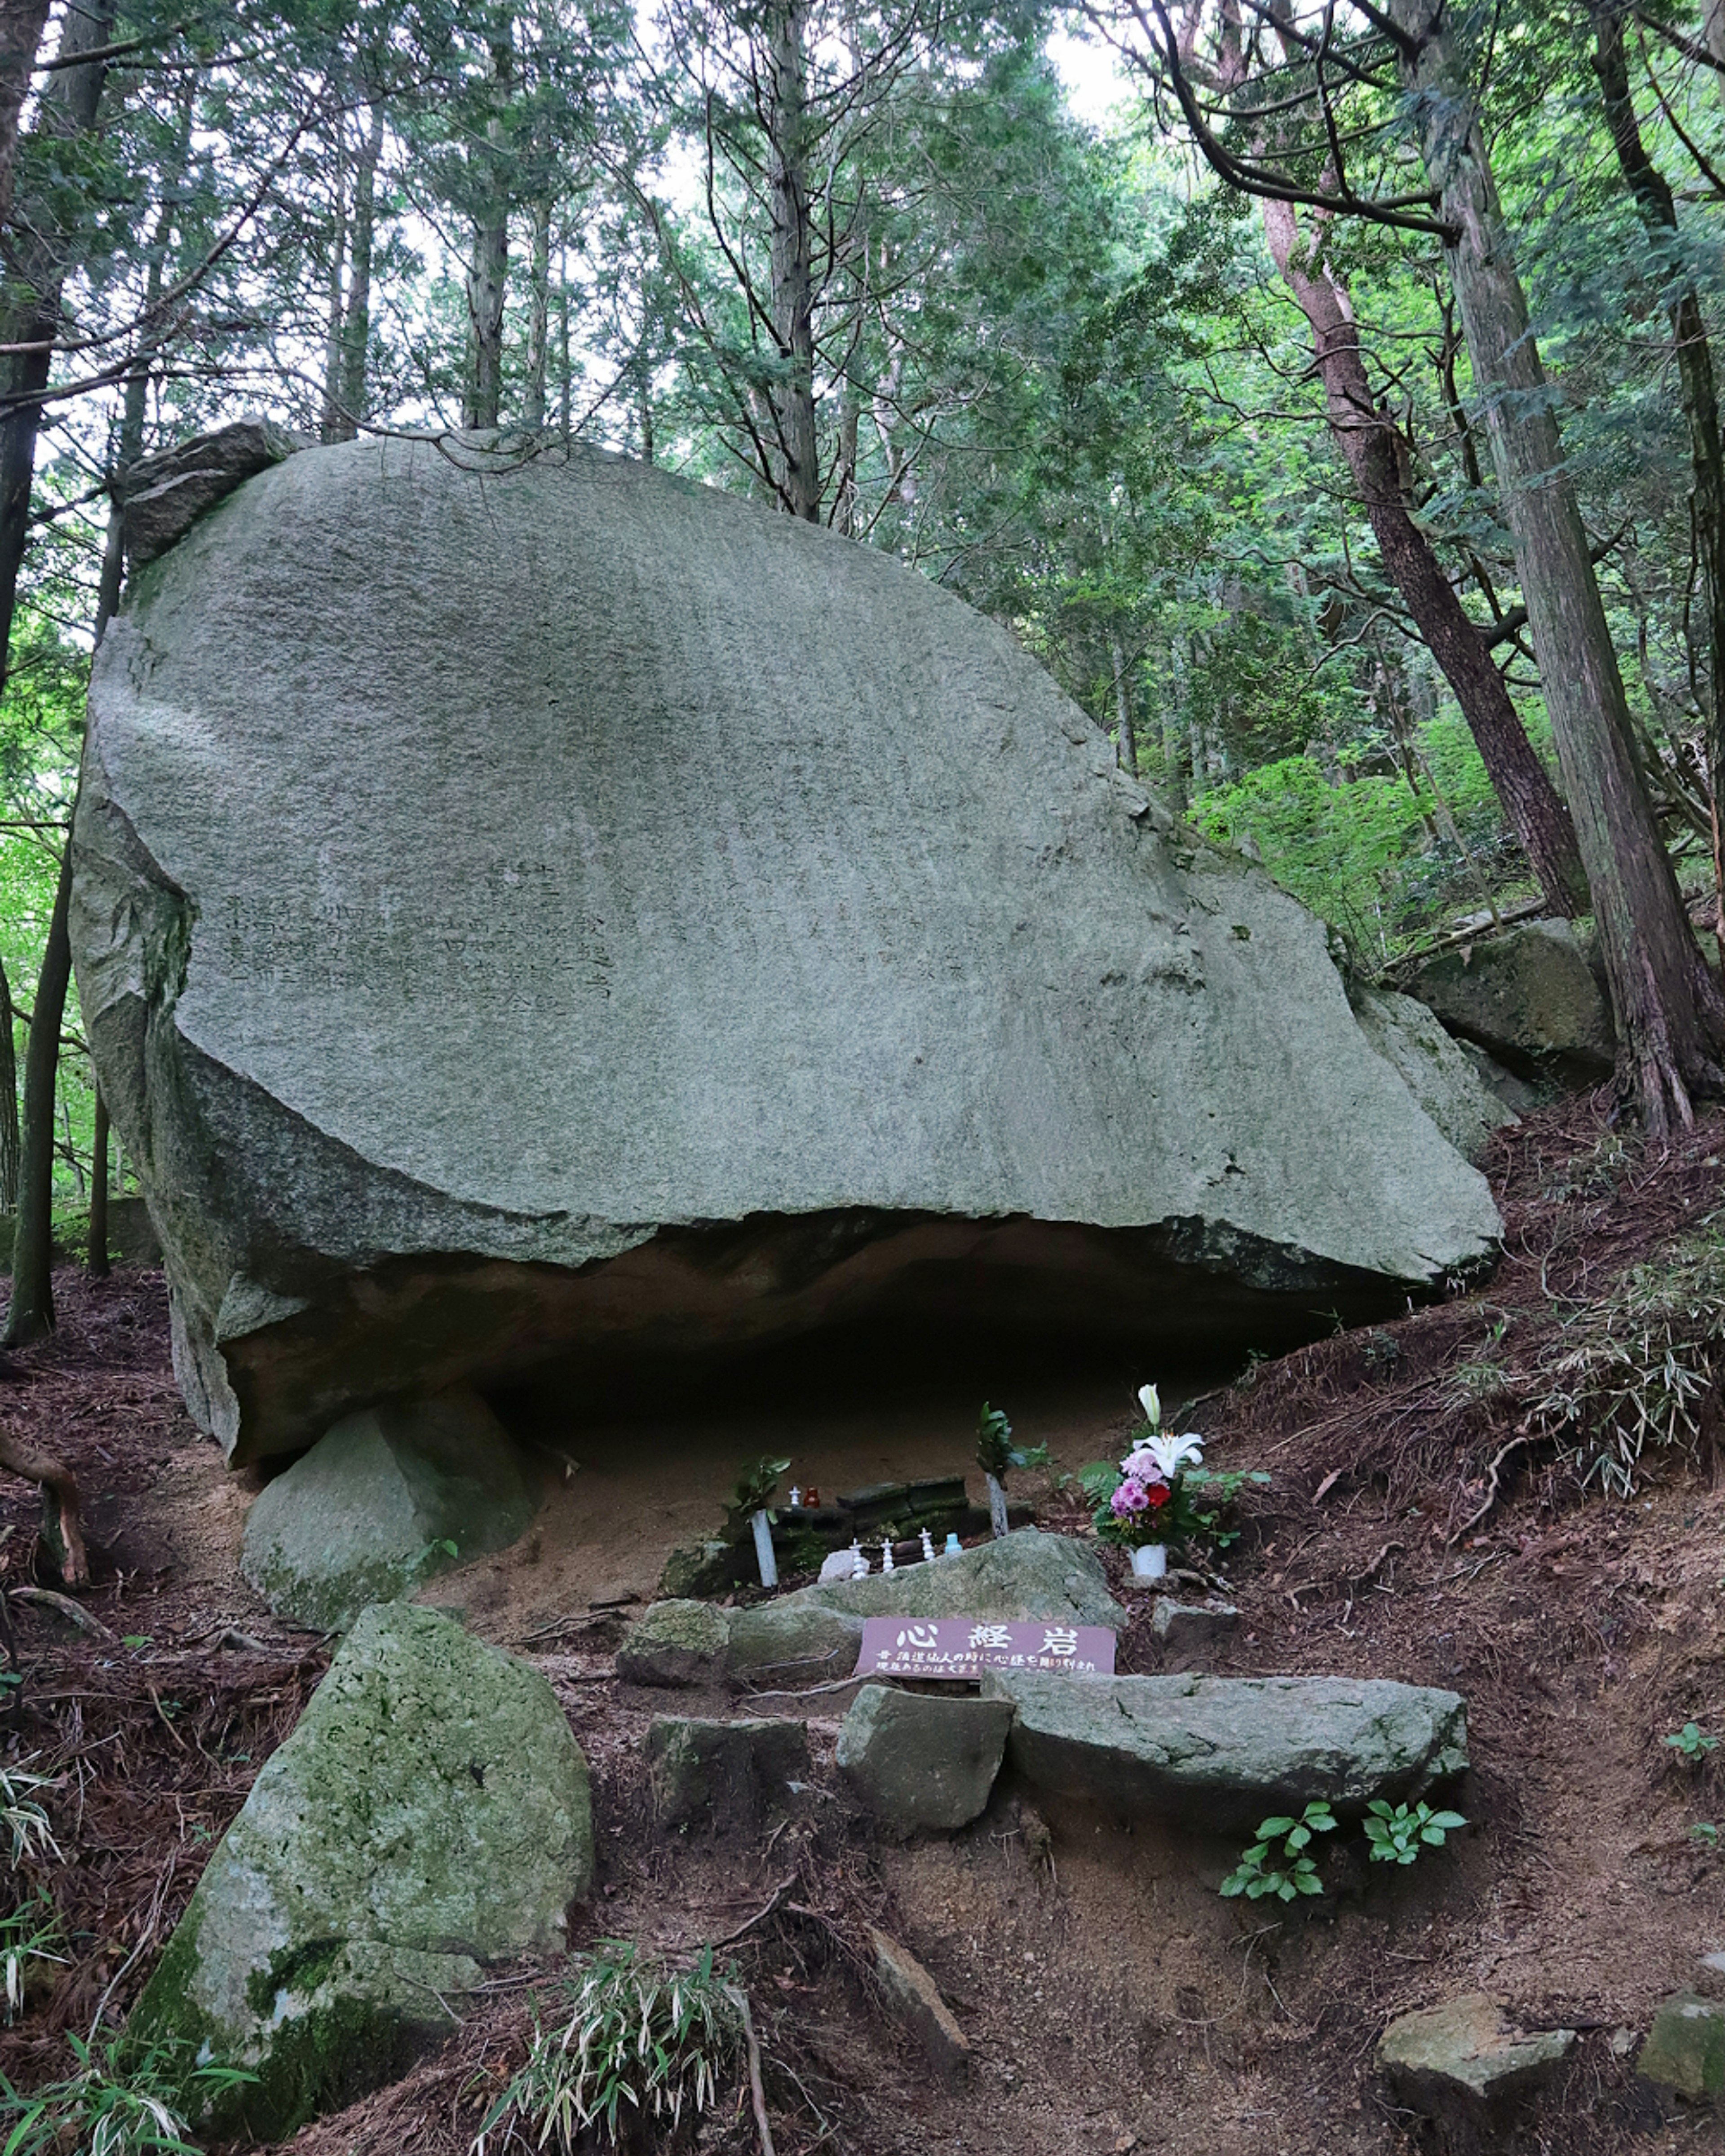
(1685, 2049)
(1184, 1627)
(918, 1761)
(492, 968)
(1220, 1753)
(914, 1997)
(429, 1813)
(390, 1497)
(732, 1773)
(1463, 2058)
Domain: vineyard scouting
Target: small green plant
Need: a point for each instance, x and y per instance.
(22, 1817)
(1705, 1832)
(754, 1491)
(1264, 1868)
(1691, 1742)
(997, 1456)
(424, 1560)
(28, 1936)
(639, 2040)
(121, 2101)
(1398, 1833)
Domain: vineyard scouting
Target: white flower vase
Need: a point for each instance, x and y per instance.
(1150, 1561)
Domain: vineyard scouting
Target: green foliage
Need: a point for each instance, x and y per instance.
(635, 2039)
(753, 1492)
(121, 2100)
(1691, 1742)
(996, 1454)
(22, 1817)
(1398, 1833)
(28, 1935)
(1276, 1862)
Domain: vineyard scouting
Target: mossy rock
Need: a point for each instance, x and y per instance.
(431, 1812)
(679, 1642)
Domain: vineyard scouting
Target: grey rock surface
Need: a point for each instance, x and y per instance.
(1685, 2049)
(492, 962)
(1530, 997)
(915, 1996)
(1436, 1070)
(391, 1497)
(675, 1642)
(1218, 1753)
(917, 1760)
(163, 496)
(431, 1813)
(1462, 2062)
(1186, 1627)
(732, 1773)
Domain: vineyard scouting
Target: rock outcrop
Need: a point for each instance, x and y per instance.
(429, 1813)
(1464, 2065)
(917, 1760)
(531, 912)
(1530, 997)
(391, 1497)
(1219, 1754)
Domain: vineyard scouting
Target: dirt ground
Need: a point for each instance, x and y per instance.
(1113, 2000)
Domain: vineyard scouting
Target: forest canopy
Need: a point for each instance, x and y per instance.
(1199, 397)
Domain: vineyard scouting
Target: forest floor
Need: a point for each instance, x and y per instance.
(1114, 2001)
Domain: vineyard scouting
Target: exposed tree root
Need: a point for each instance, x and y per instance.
(61, 1527)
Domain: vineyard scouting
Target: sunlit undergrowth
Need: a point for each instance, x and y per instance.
(1636, 1370)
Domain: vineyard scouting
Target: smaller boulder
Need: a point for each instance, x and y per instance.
(731, 1772)
(1462, 2064)
(676, 1643)
(163, 496)
(430, 1812)
(1219, 1754)
(1185, 1628)
(694, 1570)
(1529, 998)
(383, 1502)
(916, 1760)
(799, 1641)
(1434, 1069)
(1685, 2049)
(914, 1998)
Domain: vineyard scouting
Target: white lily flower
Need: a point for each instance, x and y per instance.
(1172, 1453)
(1151, 1402)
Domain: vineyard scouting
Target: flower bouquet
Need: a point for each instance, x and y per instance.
(1160, 1493)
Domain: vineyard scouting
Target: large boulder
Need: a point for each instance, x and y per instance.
(389, 1498)
(429, 1813)
(531, 911)
(1531, 998)
(1220, 1753)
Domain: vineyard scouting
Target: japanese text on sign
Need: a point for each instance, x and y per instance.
(963, 1647)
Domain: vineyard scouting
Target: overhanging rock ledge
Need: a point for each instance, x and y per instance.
(533, 913)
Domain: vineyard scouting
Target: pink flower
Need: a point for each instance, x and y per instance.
(1140, 1466)
(1130, 1498)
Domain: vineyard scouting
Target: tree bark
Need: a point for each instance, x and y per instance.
(487, 275)
(1373, 451)
(1127, 752)
(538, 317)
(31, 1311)
(797, 479)
(31, 312)
(22, 23)
(351, 403)
(1658, 210)
(8, 1099)
(1670, 1016)
(335, 297)
(99, 1193)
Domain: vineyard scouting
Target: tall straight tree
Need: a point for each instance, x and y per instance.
(1670, 1011)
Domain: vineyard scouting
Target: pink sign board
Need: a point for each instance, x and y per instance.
(963, 1647)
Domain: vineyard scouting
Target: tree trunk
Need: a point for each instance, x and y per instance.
(99, 1193)
(335, 298)
(1670, 1016)
(798, 481)
(1373, 451)
(22, 23)
(8, 1098)
(351, 403)
(32, 1311)
(538, 317)
(488, 276)
(1127, 752)
(31, 311)
(1701, 405)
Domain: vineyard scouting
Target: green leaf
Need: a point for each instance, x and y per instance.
(1269, 1828)
(1449, 1821)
